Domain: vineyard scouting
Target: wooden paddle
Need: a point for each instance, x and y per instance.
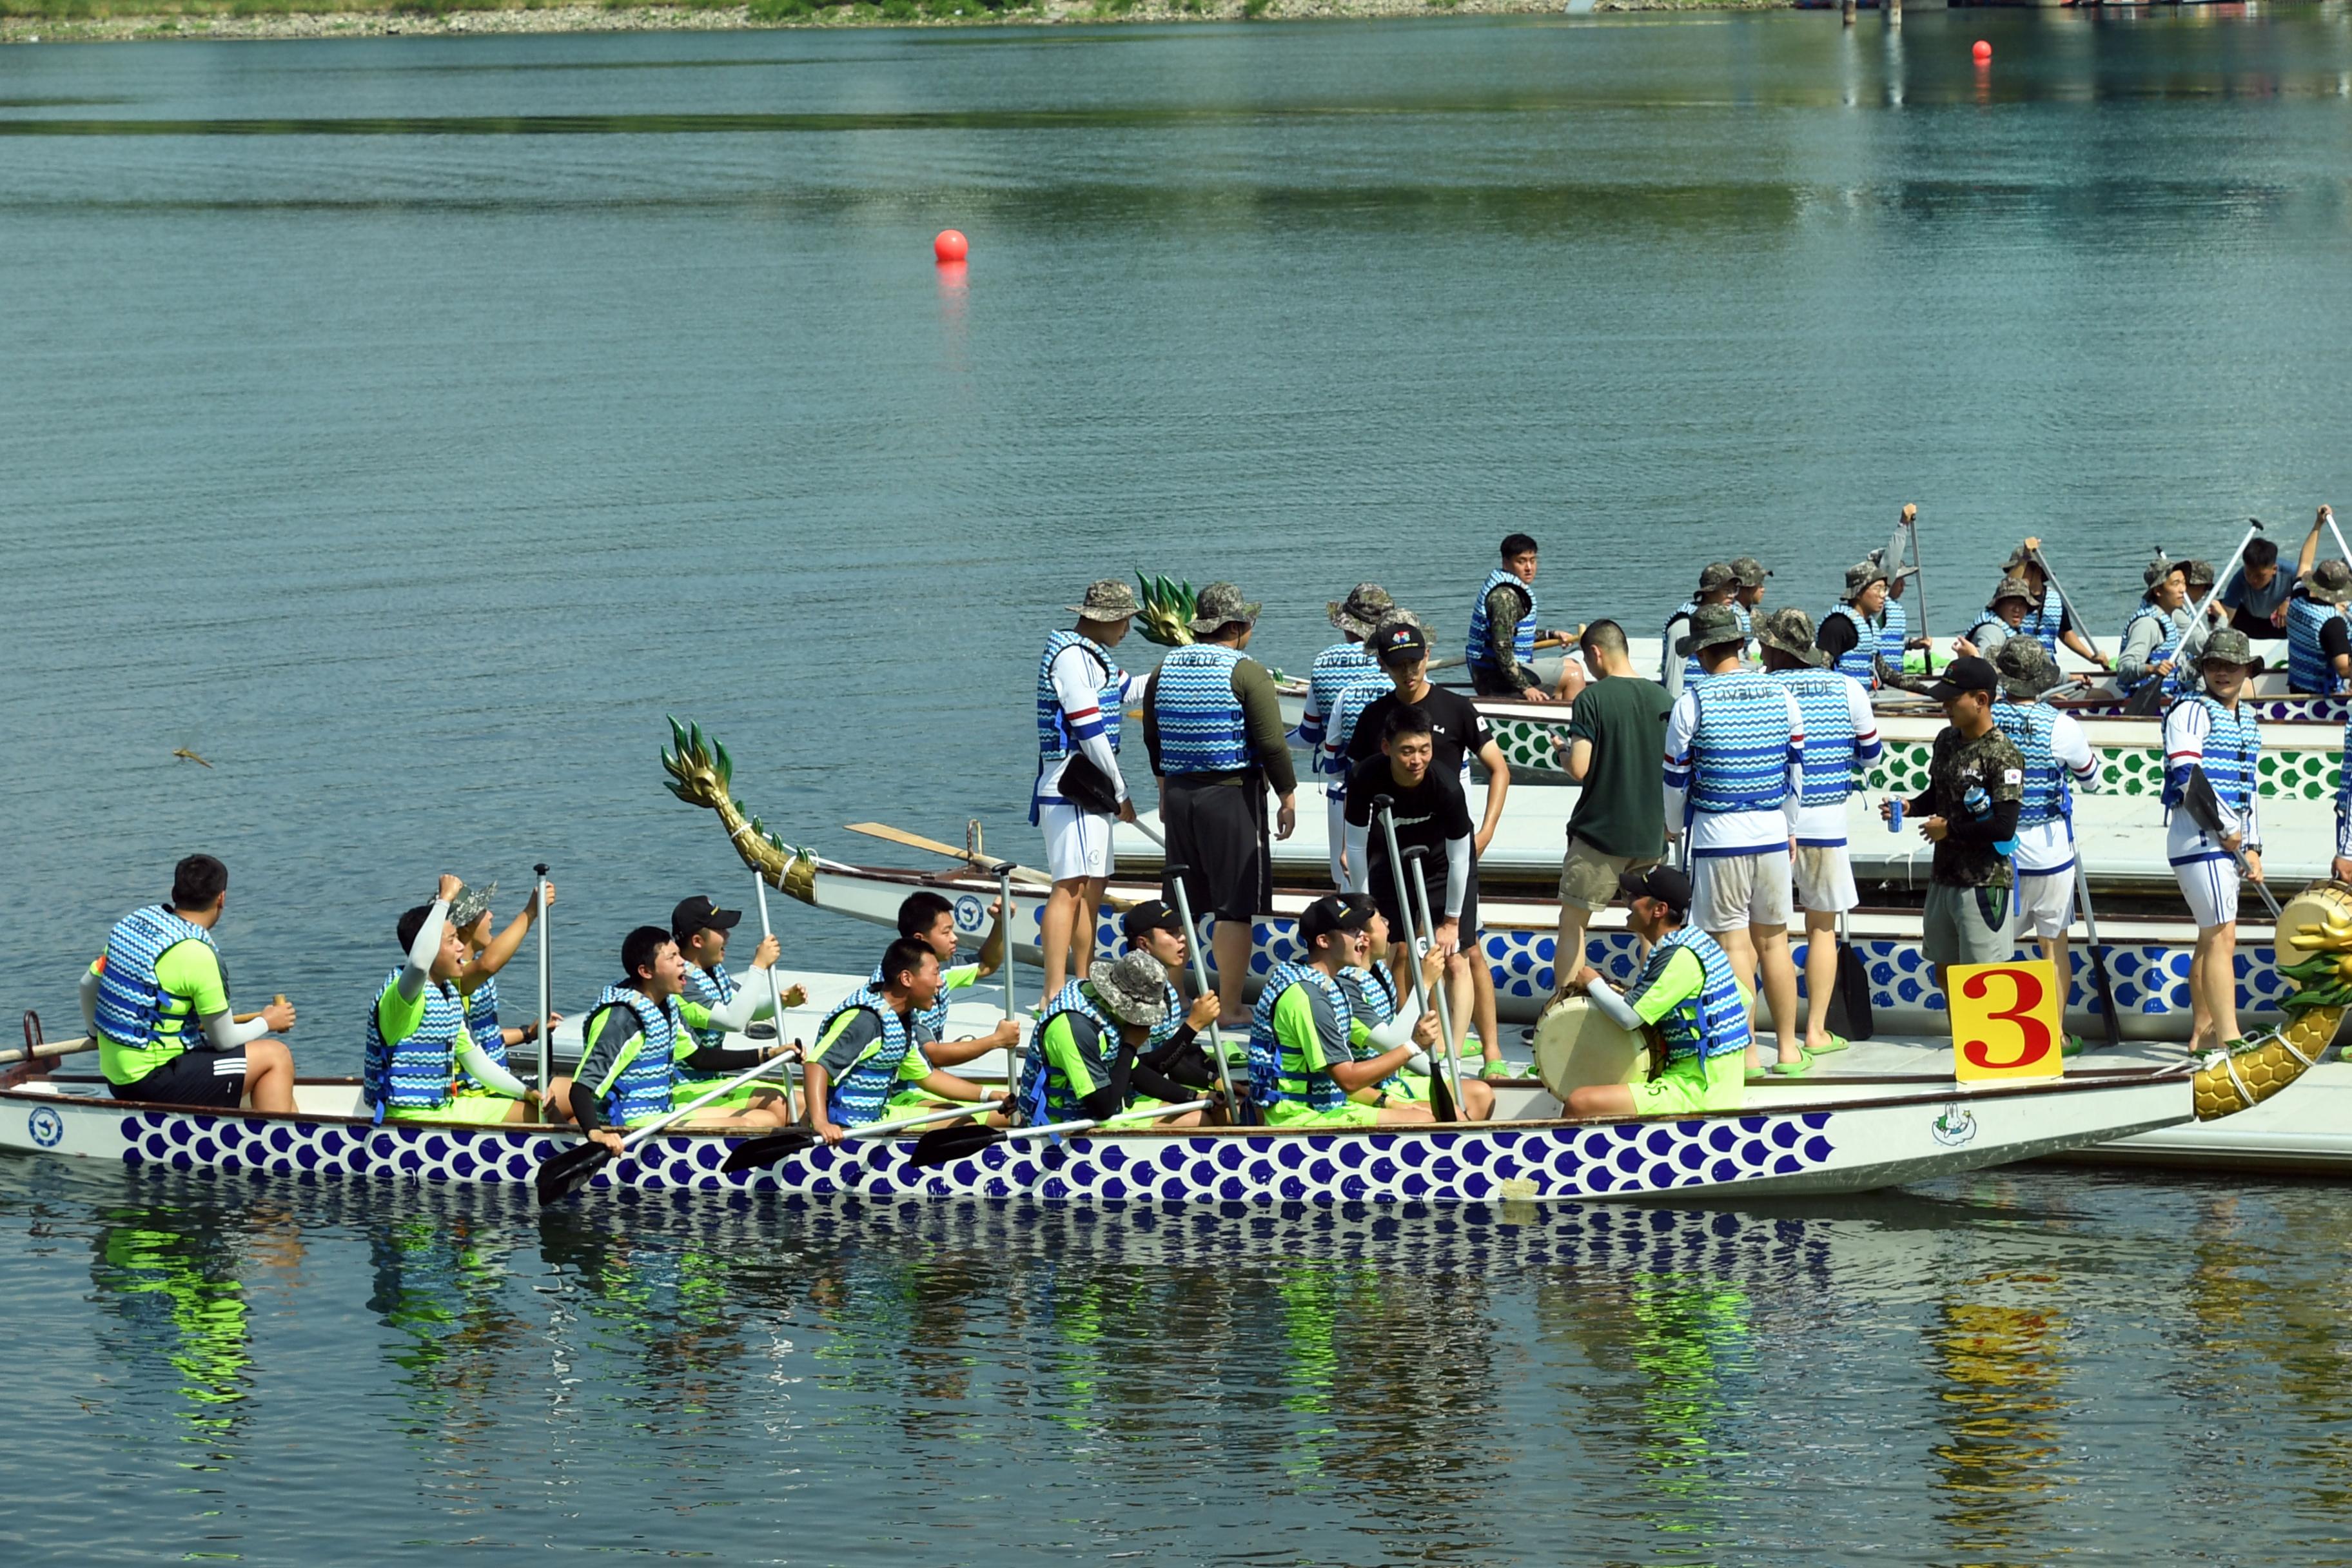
(2099, 977)
(917, 841)
(247, 1017)
(764, 1151)
(949, 1144)
(563, 1175)
(45, 1049)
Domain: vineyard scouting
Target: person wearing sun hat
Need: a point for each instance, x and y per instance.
(1342, 682)
(1975, 784)
(1688, 1000)
(2214, 730)
(470, 916)
(2048, 618)
(2003, 618)
(2318, 637)
(2058, 761)
(1085, 1062)
(1849, 635)
(1717, 586)
(1082, 697)
(2152, 635)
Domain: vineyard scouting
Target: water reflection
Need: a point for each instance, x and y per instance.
(1997, 1344)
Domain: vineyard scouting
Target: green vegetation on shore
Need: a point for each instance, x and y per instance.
(759, 10)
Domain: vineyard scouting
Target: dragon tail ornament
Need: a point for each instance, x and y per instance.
(702, 774)
(2318, 921)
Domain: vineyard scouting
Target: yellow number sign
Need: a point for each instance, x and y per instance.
(2007, 1020)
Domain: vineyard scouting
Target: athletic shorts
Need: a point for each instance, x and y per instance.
(1687, 1086)
(2046, 903)
(464, 1108)
(213, 1079)
(1290, 1113)
(1588, 877)
(1217, 832)
(1730, 892)
(1077, 843)
(1334, 818)
(1823, 875)
(1967, 925)
(1384, 893)
(2211, 889)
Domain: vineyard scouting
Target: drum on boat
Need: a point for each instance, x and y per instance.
(1579, 1045)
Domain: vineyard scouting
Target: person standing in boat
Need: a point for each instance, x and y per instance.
(1850, 638)
(1747, 575)
(1302, 1071)
(1087, 1066)
(2152, 635)
(2318, 636)
(1343, 680)
(2004, 618)
(701, 928)
(1429, 812)
(1895, 639)
(1082, 698)
(2214, 730)
(1610, 749)
(420, 1061)
(1840, 742)
(930, 919)
(863, 1043)
(469, 916)
(2058, 758)
(1503, 632)
(1735, 782)
(1717, 586)
(1687, 999)
(1975, 787)
(1212, 724)
(2049, 622)
(156, 1001)
(1377, 1023)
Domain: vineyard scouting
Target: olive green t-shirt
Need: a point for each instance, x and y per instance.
(1622, 810)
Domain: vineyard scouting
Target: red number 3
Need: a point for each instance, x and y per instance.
(2032, 1034)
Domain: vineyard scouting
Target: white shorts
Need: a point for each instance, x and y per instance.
(1335, 817)
(1077, 843)
(2046, 903)
(2211, 889)
(1731, 892)
(1824, 876)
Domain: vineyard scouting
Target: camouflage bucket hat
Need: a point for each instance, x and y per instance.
(2014, 587)
(1711, 626)
(2330, 582)
(1108, 600)
(1861, 576)
(2158, 570)
(471, 903)
(1132, 988)
(2229, 645)
(1749, 572)
(2026, 668)
(2200, 575)
(1790, 632)
(1715, 574)
(1221, 605)
(1365, 607)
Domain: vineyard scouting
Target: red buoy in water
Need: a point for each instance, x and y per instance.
(952, 246)
(1983, 53)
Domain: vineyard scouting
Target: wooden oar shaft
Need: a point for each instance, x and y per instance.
(945, 1113)
(47, 1049)
(917, 841)
(1459, 660)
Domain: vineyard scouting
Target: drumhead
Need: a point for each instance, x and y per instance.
(1578, 1045)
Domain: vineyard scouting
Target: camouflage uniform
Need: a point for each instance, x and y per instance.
(1969, 917)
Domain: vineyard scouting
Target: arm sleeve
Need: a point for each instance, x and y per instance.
(1998, 826)
(1457, 875)
(1360, 858)
(222, 1033)
(423, 952)
(477, 1062)
(1867, 747)
(1397, 1031)
(1261, 712)
(1670, 666)
(751, 1002)
(2184, 742)
(1680, 723)
(1836, 636)
(2071, 748)
(87, 990)
(1503, 614)
(2141, 638)
(1613, 1006)
(1310, 730)
(723, 1060)
(1081, 701)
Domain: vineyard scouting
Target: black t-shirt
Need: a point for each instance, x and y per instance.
(2335, 638)
(1429, 813)
(1836, 636)
(1459, 729)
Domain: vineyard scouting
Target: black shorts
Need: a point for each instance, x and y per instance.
(214, 1078)
(1432, 870)
(1217, 832)
(1494, 683)
(2258, 628)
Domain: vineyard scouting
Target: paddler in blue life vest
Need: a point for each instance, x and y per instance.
(629, 1063)
(1379, 1023)
(1344, 681)
(156, 1001)
(420, 1061)
(701, 928)
(2214, 729)
(1087, 1063)
(1303, 1071)
(2003, 618)
(854, 1068)
(2318, 636)
(1501, 652)
(1686, 1000)
(930, 919)
(2152, 635)
(486, 954)
(1717, 586)
(1849, 636)
(2058, 761)
(1082, 700)
(2048, 620)
(1155, 928)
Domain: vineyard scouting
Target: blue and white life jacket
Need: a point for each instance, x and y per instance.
(1859, 662)
(1990, 622)
(1339, 670)
(641, 1086)
(1202, 729)
(2307, 666)
(418, 1073)
(713, 987)
(1046, 1095)
(1829, 736)
(1057, 737)
(1372, 999)
(1894, 631)
(131, 1010)
(1740, 747)
(1523, 636)
(482, 1023)
(2233, 750)
(933, 1019)
(2048, 796)
(2173, 632)
(856, 1097)
(2043, 622)
(1272, 1078)
(1715, 1022)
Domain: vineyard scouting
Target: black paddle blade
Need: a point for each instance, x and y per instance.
(567, 1172)
(758, 1154)
(948, 1144)
(2107, 989)
(1850, 1010)
(1441, 1096)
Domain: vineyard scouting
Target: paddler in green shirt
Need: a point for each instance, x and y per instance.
(927, 918)
(1686, 1000)
(1083, 1065)
(421, 1060)
(1302, 1069)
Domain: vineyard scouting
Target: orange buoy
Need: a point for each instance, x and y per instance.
(1983, 53)
(952, 246)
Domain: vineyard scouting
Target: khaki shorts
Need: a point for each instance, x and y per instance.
(1824, 874)
(1687, 1086)
(1588, 878)
(1732, 892)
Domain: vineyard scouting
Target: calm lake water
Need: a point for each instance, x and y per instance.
(407, 425)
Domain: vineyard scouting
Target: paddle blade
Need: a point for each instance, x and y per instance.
(948, 1144)
(758, 1154)
(2106, 990)
(567, 1172)
(1440, 1094)
(1850, 1009)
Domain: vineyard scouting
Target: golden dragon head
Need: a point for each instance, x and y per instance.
(1166, 617)
(702, 774)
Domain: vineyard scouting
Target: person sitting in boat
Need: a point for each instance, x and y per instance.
(421, 1062)
(1849, 636)
(2050, 624)
(2214, 730)
(1302, 1069)
(2153, 634)
(701, 928)
(156, 1001)
(1154, 928)
(927, 918)
(629, 1063)
(2255, 600)
(470, 916)
(1344, 681)
(2013, 600)
(1717, 586)
(2058, 761)
(1748, 574)
(863, 1043)
(2318, 636)
(1501, 652)
(1086, 1064)
(1687, 1000)
(1377, 1023)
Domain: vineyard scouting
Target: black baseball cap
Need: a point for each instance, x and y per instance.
(1967, 675)
(1401, 643)
(699, 913)
(1334, 911)
(1153, 914)
(1662, 882)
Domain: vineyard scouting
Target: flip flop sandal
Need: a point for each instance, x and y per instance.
(1837, 1043)
(1798, 1069)
(1495, 1072)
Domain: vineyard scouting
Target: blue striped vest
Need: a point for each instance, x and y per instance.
(1715, 1022)
(1054, 739)
(1274, 1078)
(2048, 797)
(2042, 621)
(2307, 668)
(2233, 750)
(1894, 631)
(1202, 726)
(2173, 631)
(1523, 636)
(640, 1086)
(1820, 697)
(1046, 1095)
(416, 1073)
(857, 1096)
(130, 1005)
(933, 1019)
(1739, 748)
(2344, 770)
(1859, 662)
(482, 1023)
(1989, 621)
(713, 987)
(1338, 673)
(1371, 997)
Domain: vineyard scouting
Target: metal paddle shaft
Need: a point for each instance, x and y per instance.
(2192, 641)
(1385, 809)
(546, 995)
(2100, 979)
(949, 1144)
(561, 1175)
(775, 982)
(1193, 944)
(766, 1150)
(2204, 808)
(1420, 882)
(2065, 600)
(1919, 576)
(1004, 905)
